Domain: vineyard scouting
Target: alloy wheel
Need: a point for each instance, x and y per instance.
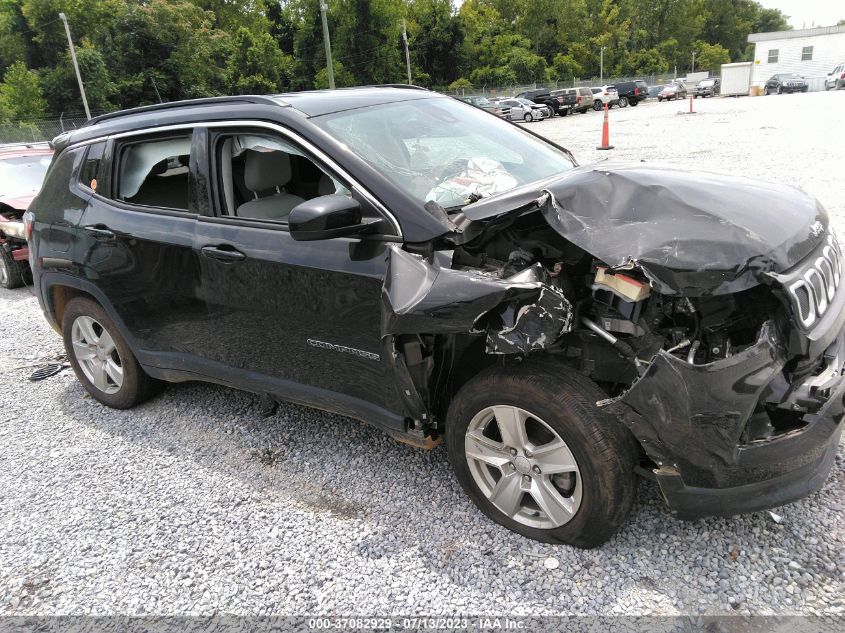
(4, 272)
(523, 467)
(94, 349)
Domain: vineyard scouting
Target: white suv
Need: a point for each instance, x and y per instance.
(604, 95)
(836, 79)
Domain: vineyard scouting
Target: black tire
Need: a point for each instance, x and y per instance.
(528, 117)
(11, 272)
(623, 102)
(780, 90)
(604, 450)
(597, 105)
(634, 103)
(137, 386)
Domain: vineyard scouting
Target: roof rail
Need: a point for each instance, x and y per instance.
(406, 86)
(187, 103)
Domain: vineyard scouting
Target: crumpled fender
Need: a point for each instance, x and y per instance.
(519, 314)
(692, 416)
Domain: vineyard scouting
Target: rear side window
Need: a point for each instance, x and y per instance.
(90, 170)
(154, 173)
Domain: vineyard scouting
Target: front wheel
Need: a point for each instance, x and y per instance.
(597, 105)
(535, 454)
(780, 90)
(528, 117)
(11, 271)
(101, 358)
(623, 102)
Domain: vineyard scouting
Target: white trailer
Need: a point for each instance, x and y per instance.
(736, 78)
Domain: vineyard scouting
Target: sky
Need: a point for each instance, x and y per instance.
(808, 13)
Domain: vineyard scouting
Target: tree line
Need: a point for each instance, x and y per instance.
(136, 52)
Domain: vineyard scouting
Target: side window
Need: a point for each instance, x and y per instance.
(773, 55)
(90, 170)
(154, 172)
(263, 177)
(807, 53)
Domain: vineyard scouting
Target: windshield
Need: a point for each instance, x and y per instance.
(22, 176)
(442, 151)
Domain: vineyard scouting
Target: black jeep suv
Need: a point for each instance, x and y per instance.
(409, 260)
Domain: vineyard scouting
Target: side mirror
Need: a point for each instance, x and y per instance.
(325, 217)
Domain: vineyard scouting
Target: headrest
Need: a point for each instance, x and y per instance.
(266, 170)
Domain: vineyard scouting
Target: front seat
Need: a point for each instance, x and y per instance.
(268, 172)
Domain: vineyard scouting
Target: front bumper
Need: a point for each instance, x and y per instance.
(733, 435)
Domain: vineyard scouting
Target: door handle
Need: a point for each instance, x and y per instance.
(223, 254)
(100, 231)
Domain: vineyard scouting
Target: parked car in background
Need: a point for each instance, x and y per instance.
(22, 170)
(785, 82)
(484, 103)
(538, 108)
(653, 91)
(836, 79)
(544, 96)
(566, 99)
(709, 87)
(522, 110)
(581, 99)
(443, 275)
(605, 95)
(631, 92)
(674, 90)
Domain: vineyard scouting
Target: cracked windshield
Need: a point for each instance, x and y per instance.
(445, 151)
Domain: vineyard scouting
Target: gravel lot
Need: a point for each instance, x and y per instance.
(194, 504)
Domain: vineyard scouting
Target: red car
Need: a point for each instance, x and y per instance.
(22, 170)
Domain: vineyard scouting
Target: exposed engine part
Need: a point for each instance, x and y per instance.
(692, 351)
(624, 348)
(622, 293)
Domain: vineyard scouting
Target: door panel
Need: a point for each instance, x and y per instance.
(141, 256)
(307, 312)
(145, 263)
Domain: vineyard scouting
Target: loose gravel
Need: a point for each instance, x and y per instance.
(194, 504)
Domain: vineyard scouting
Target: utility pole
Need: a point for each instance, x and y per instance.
(75, 65)
(693, 63)
(328, 43)
(407, 54)
(601, 66)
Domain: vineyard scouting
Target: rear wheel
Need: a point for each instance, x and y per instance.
(633, 103)
(11, 272)
(597, 105)
(101, 358)
(535, 454)
(623, 102)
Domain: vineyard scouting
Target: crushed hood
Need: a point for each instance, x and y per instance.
(692, 233)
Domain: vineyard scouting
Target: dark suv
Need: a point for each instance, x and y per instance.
(403, 258)
(631, 92)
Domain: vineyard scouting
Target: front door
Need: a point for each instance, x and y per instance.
(287, 314)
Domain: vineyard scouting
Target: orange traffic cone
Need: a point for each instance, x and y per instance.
(605, 132)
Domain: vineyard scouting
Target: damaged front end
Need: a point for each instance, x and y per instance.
(716, 332)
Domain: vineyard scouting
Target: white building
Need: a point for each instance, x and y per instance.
(811, 53)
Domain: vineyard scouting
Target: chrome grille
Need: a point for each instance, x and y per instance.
(815, 286)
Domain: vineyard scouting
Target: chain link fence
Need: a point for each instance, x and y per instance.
(37, 130)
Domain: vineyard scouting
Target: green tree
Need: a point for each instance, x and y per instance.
(256, 65)
(710, 57)
(20, 94)
(342, 77)
(461, 85)
(565, 67)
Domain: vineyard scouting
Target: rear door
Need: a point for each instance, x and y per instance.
(136, 243)
(288, 317)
